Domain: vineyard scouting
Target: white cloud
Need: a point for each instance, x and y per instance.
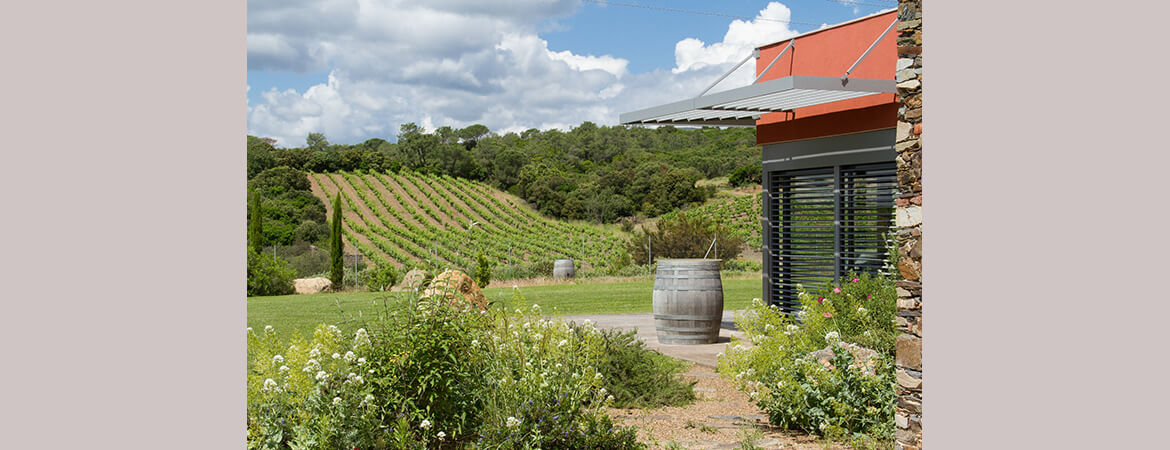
(457, 63)
(739, 41)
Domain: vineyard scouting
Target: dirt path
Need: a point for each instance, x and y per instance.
(720, 418)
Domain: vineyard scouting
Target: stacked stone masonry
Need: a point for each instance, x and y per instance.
(908, 76)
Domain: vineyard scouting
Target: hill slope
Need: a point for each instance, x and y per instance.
(418, 220)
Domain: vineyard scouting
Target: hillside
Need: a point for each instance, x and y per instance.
(418, 220)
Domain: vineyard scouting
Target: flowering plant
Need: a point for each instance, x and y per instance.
(828, 369)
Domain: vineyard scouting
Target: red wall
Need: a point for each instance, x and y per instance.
(829, 53)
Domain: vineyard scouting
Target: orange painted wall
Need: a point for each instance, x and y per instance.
(829, 53)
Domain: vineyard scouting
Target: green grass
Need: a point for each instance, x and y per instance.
(302, 313)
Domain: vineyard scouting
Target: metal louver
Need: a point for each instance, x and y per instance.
(823, 223)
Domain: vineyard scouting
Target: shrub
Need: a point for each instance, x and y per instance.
(638, 377)
(834, 396)
(483, 270)
(681, 236)
(739, 265)
(382, 278)
(268, 275)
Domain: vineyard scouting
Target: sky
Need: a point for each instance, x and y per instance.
(359, 69)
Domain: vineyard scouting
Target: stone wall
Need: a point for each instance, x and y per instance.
(909, 220)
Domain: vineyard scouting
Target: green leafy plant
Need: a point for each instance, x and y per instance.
(382, 278)
(638, 377)
(483, 270)
(829, 370)
(684, 236)
(268, 275)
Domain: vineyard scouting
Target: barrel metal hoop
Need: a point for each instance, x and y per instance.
(686, 317)
(704, 330)
(677, 289)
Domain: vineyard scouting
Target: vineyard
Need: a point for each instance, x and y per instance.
(741, 214)
(413, 220)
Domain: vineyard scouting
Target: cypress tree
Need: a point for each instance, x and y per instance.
(338, 273)
(255, 225)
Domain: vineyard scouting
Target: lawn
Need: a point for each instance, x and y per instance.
(303, 312)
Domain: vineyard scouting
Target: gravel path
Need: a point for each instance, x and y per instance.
(720, 418)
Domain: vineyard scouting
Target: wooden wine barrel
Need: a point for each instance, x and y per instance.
(688, 301)
(563, 268)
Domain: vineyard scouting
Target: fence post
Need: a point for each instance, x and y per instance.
(649, 255)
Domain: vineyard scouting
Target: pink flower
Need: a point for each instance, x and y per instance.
(856, 280)
(836, 290)
(868, 297)
(827, 314)
(820, 299)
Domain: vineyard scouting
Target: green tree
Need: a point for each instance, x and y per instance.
(335, 256)
(255, 225)
(316, 141)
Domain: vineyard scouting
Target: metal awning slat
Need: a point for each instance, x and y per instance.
(741, 106)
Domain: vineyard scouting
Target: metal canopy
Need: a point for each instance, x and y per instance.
(742, 106)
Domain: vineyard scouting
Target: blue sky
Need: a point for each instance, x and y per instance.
(357, 69)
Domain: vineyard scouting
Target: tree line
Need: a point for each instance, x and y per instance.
(595, 173)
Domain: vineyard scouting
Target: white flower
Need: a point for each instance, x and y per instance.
(602, 391)
(336, 355)
(780, 384)
(609, 399)
(832, 336)
(333, 329)
(368, 400)
(321, 375)
(587, 323)
(515, 286)
(283, 368)
(562, 342)
(441, 435)
(336, 401)
(315, 353)
(269, 384)
(426, 424)
(535, 308)
(558, 365)
(768, 328)
(268, 329)
(862, 310)
(277, 359)
(512, 422)
(757, 302)
(597, 376)
(250, 331)
(537, 336)
(792, 328)
(349, 356)
(361, 361)
(475, 342)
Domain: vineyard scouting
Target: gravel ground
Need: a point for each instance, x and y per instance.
(720, 418)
